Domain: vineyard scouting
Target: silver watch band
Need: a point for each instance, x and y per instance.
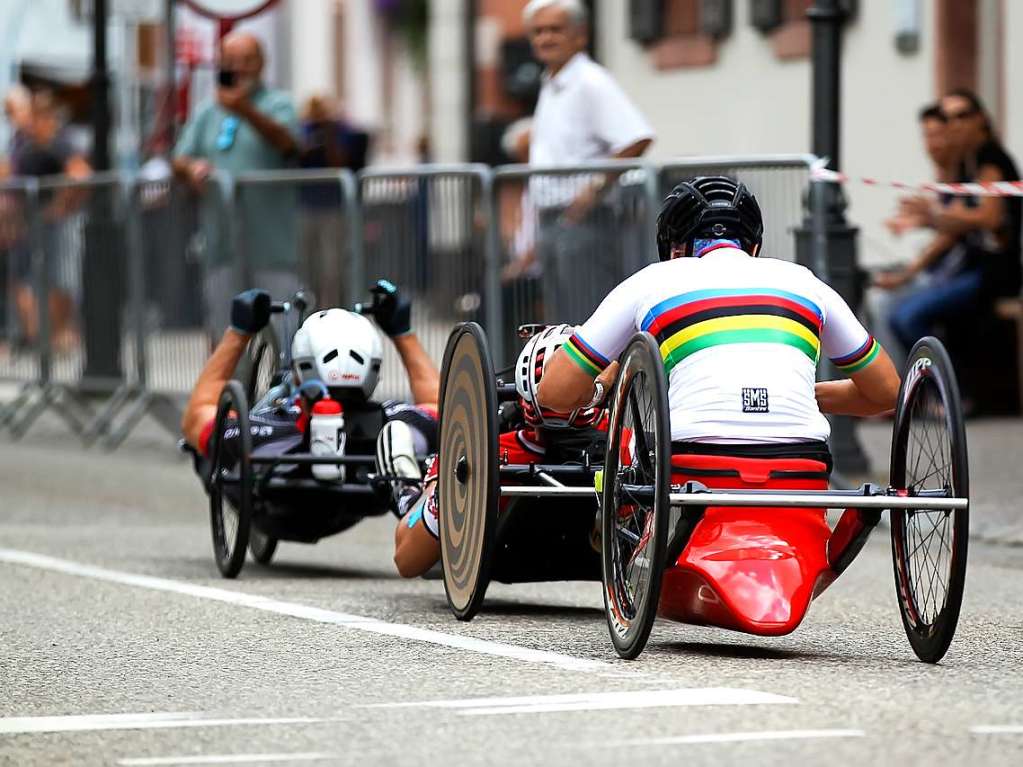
(598, 395)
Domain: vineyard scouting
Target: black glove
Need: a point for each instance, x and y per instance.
(392, 312)
(250, 311)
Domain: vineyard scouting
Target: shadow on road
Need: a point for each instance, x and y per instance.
(290, 570)
(759, 652)
(503, 608)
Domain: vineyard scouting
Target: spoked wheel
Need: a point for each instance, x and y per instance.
(929, 456)
(262, 546)
(637, 478)
(261, 365)
(468, 489)
(230, 521)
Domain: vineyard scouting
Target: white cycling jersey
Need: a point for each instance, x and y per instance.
(740, 338)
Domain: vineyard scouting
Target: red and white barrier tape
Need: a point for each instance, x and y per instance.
(973, 189)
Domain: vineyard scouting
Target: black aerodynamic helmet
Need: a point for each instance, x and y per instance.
(709, 207)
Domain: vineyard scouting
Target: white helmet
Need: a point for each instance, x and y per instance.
(340, 348)
(532, 361)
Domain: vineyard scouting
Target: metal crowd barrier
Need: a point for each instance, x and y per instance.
(150, 266)
(567, 236)
(779, 181)
(65, 268)
(426, 229)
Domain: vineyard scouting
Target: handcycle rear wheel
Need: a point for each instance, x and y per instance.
(230, 523)
(634, 526)
(468, 480)
(929, 548)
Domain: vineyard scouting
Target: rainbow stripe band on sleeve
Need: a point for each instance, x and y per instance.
(859, 359)
(585, 356)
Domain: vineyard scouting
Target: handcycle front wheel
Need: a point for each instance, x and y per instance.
(230, 518)
(634, 522)
(929, 548)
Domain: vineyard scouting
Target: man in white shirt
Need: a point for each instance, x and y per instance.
(582, 116)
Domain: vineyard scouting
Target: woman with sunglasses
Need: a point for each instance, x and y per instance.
(988, 228)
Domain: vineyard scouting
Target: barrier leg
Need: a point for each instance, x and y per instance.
(104, 419)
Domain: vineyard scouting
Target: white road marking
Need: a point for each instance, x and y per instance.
(24, 725)
(256, 602)
(740, 737)
(174, 761)
(543, 704)
(997, 729)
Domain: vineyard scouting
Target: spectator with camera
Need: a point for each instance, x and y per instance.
(247, 127)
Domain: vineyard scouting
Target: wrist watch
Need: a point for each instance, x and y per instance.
(598, 394)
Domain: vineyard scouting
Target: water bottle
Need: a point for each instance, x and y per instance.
(327, 437)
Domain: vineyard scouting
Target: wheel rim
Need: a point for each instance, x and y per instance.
(467, 490)
(928, 534)
(635, 498)
(929, 457)
(633, 519)
(230, 524)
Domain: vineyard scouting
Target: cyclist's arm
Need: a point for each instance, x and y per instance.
(873, 385)
(202, 405)
(568, 379)
(989, 213)
(423, 376)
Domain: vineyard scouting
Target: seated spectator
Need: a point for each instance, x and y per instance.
(901, 295)
(988, 228)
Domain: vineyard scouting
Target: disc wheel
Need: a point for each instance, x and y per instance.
(468, 489)
(929, 454)
(634, 504)
(262, 546)
(230, 522)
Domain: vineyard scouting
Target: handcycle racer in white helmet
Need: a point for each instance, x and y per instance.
(337, 349)
(531, 435)
(740, 336)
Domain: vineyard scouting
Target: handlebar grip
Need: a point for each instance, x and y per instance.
(278, 307)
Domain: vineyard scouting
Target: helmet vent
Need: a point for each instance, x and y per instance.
(329, 356)
(322, 315)
(356, 356)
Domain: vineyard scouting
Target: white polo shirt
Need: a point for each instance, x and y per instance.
(582, 116)
(740, 339)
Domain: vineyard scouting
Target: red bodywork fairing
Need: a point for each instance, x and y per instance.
(754, 570)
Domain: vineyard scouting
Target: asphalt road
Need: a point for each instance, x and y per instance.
(119, 644)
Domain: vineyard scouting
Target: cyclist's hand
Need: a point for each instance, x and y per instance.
(250, 311)
(393, 313)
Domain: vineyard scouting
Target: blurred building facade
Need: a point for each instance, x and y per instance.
(733, 77)
(440, 79)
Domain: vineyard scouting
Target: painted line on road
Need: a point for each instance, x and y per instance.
(305, 612)
(26, 725)
(739, 737)
(599, 701)
(176, 761)
(997, 729)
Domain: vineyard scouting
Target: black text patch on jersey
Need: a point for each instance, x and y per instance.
(754, 400)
